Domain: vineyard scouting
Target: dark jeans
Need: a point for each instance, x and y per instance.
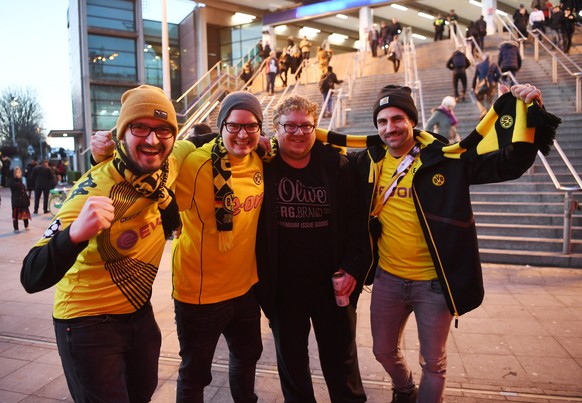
(110, 358)
(335, 332)
(45, 193)
(462, 77)
(271, 82)
(200, 327)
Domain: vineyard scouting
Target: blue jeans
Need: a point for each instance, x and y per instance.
(329, 105)
(393, 300)
(110, 358)
(200, 327)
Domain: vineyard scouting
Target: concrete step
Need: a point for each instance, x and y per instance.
(534, 231)
(526, 243)
(517, 218)
(532, 258)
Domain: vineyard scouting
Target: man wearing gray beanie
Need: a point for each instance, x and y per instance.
(424, 256)
(219, 191)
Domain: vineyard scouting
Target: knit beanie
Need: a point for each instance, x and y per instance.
(398, 97)
(145, 101)
(239, 100)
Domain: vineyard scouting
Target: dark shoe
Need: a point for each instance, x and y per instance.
(35, 211)
(46, 212)
(404, 397)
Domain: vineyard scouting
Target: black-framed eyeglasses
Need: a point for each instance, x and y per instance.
(250, 128)
(141, 130)
(292, 128)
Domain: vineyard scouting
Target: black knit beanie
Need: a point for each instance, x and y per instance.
(398, 97)
(239, 100)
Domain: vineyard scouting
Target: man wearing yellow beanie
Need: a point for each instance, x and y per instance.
(220, 194)
(102, 251)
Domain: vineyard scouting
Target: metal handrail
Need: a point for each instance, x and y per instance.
(411, 70)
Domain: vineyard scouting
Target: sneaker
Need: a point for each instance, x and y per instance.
(404, 397)
(16, 231)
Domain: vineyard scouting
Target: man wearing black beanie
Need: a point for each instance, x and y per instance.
(424, 252)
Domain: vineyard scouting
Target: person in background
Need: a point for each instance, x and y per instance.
(271, 69)
(298, 253)
(443, 120)
(305, 46)
(327, 83)
(439, 27)
(458, 63)
(452, 19)
(481, 26)
(395, 28)
(201, 134)
(28, 175)
(323, 59)
(247, 72)
(385, 36)
(395, 53)
(44, 179)
(373, 36)
(521, 19)
(284, 64)
(426, 253)
(20, 200)
(106, 333)
(5, 170)
(537, 21)
(485, 82)
(568, 28)
(509, 59)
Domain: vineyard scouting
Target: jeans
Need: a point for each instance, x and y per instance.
(199, 328)
(110, 358)
(335, 332)
(271, 82)
(393, 300)
(329, 105)
(462, 77)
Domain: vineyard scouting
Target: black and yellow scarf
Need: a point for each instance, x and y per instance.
(509, 121)
(223, 194)
(152, 186)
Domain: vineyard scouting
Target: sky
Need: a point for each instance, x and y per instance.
(35, 40)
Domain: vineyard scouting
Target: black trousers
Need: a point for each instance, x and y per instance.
(335, 332)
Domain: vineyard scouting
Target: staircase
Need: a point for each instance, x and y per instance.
(518, 222)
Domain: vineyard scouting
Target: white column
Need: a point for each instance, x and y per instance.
(166, 52)
(488, 11)
(366, 22)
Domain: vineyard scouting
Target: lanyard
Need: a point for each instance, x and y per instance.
(397, 176)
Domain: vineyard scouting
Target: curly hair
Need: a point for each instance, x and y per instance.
(294, 103)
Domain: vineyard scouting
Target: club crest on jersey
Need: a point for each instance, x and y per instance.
(53, 229)
(438, 180)
(506, 121)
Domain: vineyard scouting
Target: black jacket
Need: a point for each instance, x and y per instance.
(346, 236)
(444, 209)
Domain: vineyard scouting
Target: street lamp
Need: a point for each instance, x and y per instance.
(13, 104)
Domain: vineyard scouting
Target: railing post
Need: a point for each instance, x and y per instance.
(578, 95)
(554, 69)
(569, 206)
(536, 47)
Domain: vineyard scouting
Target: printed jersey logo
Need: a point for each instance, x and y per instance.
(506, 121)
(81, 189)
(438, 180)
(233, 204)
(127, 240)
(53, 229)
(258, 178)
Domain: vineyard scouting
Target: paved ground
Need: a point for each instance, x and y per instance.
(523, 344)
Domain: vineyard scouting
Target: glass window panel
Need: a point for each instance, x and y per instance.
(105, 105)
(235, 42)
(112, 59)
(111, 14)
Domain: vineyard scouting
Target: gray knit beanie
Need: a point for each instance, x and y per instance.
(239, 100)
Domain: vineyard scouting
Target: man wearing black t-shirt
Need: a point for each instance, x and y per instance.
(306, 234)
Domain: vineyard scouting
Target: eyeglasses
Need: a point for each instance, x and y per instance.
(141, 130)
(250, 128)
(292, 128)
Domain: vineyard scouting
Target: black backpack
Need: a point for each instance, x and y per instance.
(459, 60)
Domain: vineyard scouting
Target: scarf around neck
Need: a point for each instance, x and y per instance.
(152, 186)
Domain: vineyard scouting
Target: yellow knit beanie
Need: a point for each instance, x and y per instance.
(145, 101)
